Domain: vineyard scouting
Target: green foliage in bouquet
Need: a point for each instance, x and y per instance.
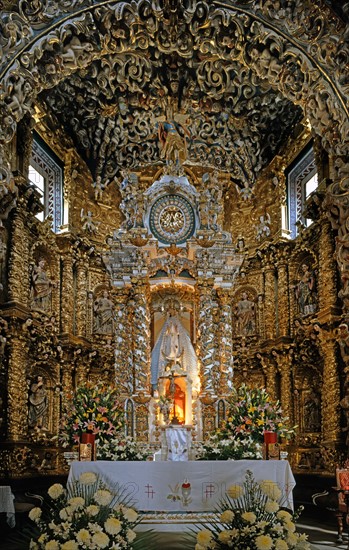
(86, 514)
(94, 408)
(250, 412)
(250, 516)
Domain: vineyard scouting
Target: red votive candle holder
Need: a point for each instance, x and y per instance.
(88, 438)
(270, 437)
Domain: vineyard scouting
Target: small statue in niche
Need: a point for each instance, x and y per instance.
(41, 288)
(312, 413)
(38, 405)
(305, 290)
(104, 314)
(245, 313)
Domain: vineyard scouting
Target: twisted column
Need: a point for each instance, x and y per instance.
(141, 338)
(225, 345)
(207, 343)
(123, 344)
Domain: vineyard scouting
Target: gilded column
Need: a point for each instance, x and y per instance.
(327, 268)
(81, 296)
(270, 371)
(67, 295)
(269, 300)
(225, 346)
(141, 338)
(331, 388)
(81, 368)
(282, 295)
(284, 363)
(18, 277)
(17, 388)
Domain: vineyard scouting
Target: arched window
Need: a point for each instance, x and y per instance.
(302, 180)
(46, 174)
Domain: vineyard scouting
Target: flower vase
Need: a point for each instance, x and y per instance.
(87, 447)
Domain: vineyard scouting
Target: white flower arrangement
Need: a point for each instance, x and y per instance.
(122, 447)
(85, 514)
(250, 516)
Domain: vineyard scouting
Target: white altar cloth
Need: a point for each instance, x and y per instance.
(193, 486)
(7, 505)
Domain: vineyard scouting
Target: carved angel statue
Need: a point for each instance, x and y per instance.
(263, 228)
(87, 222)
(99, 187)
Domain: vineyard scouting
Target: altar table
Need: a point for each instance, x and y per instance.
(7, 505)
(193, 486)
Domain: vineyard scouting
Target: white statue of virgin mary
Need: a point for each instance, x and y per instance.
(173, 352)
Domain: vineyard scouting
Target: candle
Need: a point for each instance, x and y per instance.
(87, 438)
(270, 437)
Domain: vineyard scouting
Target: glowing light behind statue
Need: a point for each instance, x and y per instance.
(174, 353)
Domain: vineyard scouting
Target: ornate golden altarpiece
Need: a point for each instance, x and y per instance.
(176, 124)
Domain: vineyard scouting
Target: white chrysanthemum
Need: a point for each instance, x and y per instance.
(70, 545)
(87, 478)
(65, 513)
(92, 510)
(227, 516)
(103, 497)
(271, 489)
(33, 545)
(204, 537)
(291, 539)
(52, 545)
(264, 542)
(302, 543)
(226, 536)
(35, 514)
(130, 535)
(55, 491)
(83, 536)
(284, 515)
(235, 491)
(250, 517)
(100, 540)
(290, 526)
(271, 507)
(281, 545)
(42, 538)
(130, 514)
(76, 502)
(113, 526)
